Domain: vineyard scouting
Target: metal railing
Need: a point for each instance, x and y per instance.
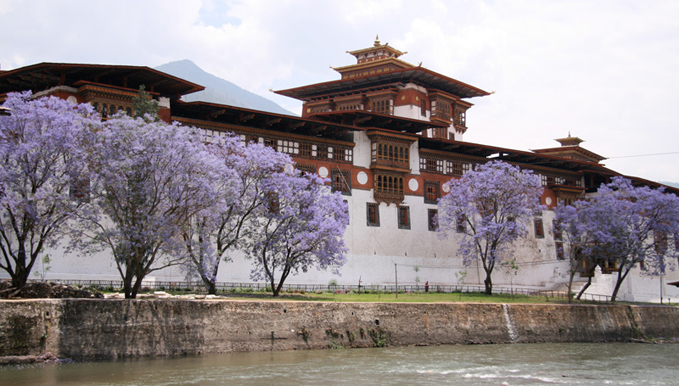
(195, 286)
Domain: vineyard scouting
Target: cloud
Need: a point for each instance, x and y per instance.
(604, 71)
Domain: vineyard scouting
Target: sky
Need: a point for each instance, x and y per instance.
(604, 71)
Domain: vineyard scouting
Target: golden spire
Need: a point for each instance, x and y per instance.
(377, 40)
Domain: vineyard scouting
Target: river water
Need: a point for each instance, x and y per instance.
(512, 364)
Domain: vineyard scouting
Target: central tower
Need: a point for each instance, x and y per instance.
(381, 83)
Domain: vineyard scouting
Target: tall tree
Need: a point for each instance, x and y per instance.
(144, 106)
(211, 235)
(570, 224)
(627, 226)
(491, 207)
(40, 178)
(302, 227)
(147, 178)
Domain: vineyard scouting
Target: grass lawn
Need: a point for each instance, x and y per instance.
(431, 297)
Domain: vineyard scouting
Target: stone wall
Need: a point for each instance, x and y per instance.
(86, 329)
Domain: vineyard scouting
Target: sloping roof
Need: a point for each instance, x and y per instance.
(417, 75)
(239, 116)
(366, 119)
(41, 76)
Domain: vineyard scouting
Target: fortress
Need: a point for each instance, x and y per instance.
(388, 135)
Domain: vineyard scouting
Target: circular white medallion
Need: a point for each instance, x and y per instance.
(322, 172)
(413, 184)
(72, 100)
(445, 188)
(362, 178)
(548, 201)
(289, 168)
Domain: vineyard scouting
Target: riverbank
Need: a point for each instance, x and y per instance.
(117, 328)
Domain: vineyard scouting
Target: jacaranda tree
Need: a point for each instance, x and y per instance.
(302, 227)
(491, 206)
(627, 226)
(570, 224)
(212, 234)
(146, 179)
(40, 178)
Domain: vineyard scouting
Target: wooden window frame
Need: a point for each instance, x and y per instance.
(539, 228)
(372, 211)
(403, 217)
(341, 181)
(432, 196)
(432, 220)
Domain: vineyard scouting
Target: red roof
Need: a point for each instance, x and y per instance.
(42, 76)
(417, 75)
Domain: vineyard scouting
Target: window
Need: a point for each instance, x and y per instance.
(432, 219)
(431, 192)
(443, 110)
(457, 169)
(440, 132)
(388, 188)
(290, 147)
(557, 230)
(460, 117)
(559, 250)
(79, 189)
(272, 202)
(382, 106)
(461, 223)
(423, 107)
(341, 181)
(390, 154)
(305, 149)
(306, 169)
(403, 217)
(372, 214)
(539, 229)
(660, 243)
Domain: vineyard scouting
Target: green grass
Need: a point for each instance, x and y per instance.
(431, 297)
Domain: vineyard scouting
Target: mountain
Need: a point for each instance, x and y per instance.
(218, 90)
(672, 184)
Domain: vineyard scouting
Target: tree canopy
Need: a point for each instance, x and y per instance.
(146, 179)
(41, 179)
(491, 208)
(302, 227)
(621, 227)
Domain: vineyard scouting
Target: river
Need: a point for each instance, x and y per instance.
(511, 364)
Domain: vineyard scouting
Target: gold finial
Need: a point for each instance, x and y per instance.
(377, 40)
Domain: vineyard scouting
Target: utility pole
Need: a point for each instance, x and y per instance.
(396, 277)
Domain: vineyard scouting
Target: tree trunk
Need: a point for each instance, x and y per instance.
(489, 284)
(127, 286)
(618, 283)
(582, 291)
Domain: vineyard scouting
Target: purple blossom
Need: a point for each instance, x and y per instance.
(491, 207)
(212, 234)
(41, 176)
(302, 227)
(623, 226)
(146, 180)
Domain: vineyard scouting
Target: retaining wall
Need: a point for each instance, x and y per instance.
(89, 328)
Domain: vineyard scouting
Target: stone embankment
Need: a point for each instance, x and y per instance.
(115, 328)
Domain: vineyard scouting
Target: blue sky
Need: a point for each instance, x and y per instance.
(605, 71)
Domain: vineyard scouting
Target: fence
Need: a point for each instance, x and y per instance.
(194, 286)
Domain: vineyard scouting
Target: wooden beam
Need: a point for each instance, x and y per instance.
(318, 129)
(245, 117)
(216, 113)
(271, 121)
(297, 125)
